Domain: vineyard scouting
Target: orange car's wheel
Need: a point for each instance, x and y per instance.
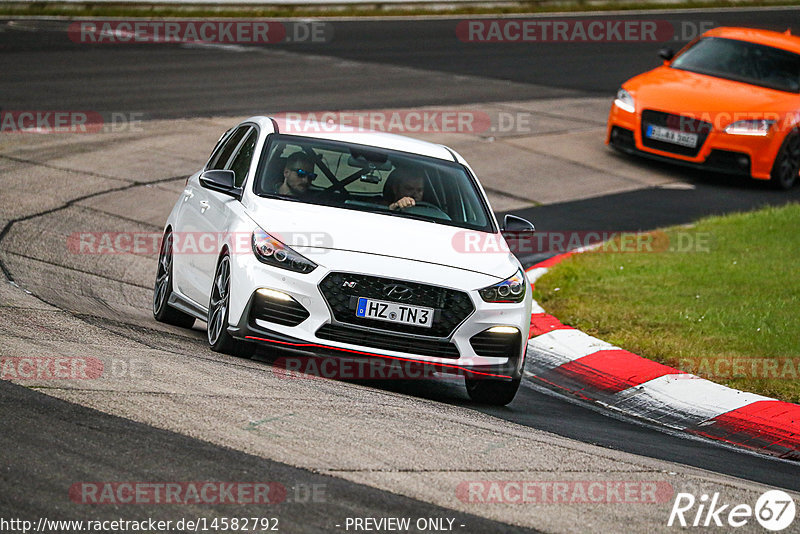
(787, 163)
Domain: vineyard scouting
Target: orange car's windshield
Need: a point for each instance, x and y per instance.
(742, 61)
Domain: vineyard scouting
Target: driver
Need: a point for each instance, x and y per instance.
(404, 187)
(298, 173)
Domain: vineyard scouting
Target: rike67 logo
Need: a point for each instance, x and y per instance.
(774, 510)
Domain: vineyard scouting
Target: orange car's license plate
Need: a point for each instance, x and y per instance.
(671, 136)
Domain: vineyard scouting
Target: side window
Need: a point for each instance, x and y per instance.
(218, 147)
(241, 162)
(223, 154)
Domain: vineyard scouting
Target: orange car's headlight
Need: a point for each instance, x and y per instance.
(625, 101)
(758, 127)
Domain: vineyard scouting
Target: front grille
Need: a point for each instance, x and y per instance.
(341, 292)
(382, 340)
(495, 344)
(286, 313)
(674, 122)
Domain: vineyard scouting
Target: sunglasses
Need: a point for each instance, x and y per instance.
(303, 174)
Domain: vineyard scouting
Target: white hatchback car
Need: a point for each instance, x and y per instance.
(343, 244)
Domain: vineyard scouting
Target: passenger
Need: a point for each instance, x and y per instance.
(404, 187)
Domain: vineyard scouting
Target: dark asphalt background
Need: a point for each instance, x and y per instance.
(43, 69)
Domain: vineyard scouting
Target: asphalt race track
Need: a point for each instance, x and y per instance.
(169, 409)
(367, 64)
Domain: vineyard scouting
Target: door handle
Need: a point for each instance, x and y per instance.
(187, 195)
(203, 205)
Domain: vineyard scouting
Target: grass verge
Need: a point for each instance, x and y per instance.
(367, 9)
(720, 299)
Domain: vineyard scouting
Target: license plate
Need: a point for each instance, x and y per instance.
(671, 136)
(394, 312)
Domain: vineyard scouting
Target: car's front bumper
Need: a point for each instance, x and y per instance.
(719, 152)
(307, 324)
(407, 366)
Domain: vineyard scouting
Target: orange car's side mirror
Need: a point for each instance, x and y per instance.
(666, 54)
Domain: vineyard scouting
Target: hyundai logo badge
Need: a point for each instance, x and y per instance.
(398, 291)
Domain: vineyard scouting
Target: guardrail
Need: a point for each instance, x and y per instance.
(278, 3)
(311, 3)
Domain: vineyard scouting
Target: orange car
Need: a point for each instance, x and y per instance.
(729, 102)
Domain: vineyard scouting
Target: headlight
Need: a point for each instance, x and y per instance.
(509, 290)
(625, 101)
(272, 252)
(750, 127)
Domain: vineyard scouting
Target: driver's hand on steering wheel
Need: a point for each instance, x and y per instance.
(405, 202)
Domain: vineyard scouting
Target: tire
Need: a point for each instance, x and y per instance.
(162, 289)
(218, 337)
(787, 163)
(492, 392)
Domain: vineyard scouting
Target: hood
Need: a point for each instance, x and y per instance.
(308, 226)
(709, 98)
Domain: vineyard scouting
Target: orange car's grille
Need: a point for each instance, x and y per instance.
(674, 122)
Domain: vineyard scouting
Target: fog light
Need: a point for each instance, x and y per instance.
(277, 307)
(503, 330)
(274, 294)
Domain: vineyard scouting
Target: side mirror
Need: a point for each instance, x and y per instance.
(517, 225)
(222, 182)
(666, 54)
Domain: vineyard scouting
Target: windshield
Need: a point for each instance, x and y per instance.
(376, 180)
(744, 62)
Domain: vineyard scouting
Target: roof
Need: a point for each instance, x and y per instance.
(351, 134)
